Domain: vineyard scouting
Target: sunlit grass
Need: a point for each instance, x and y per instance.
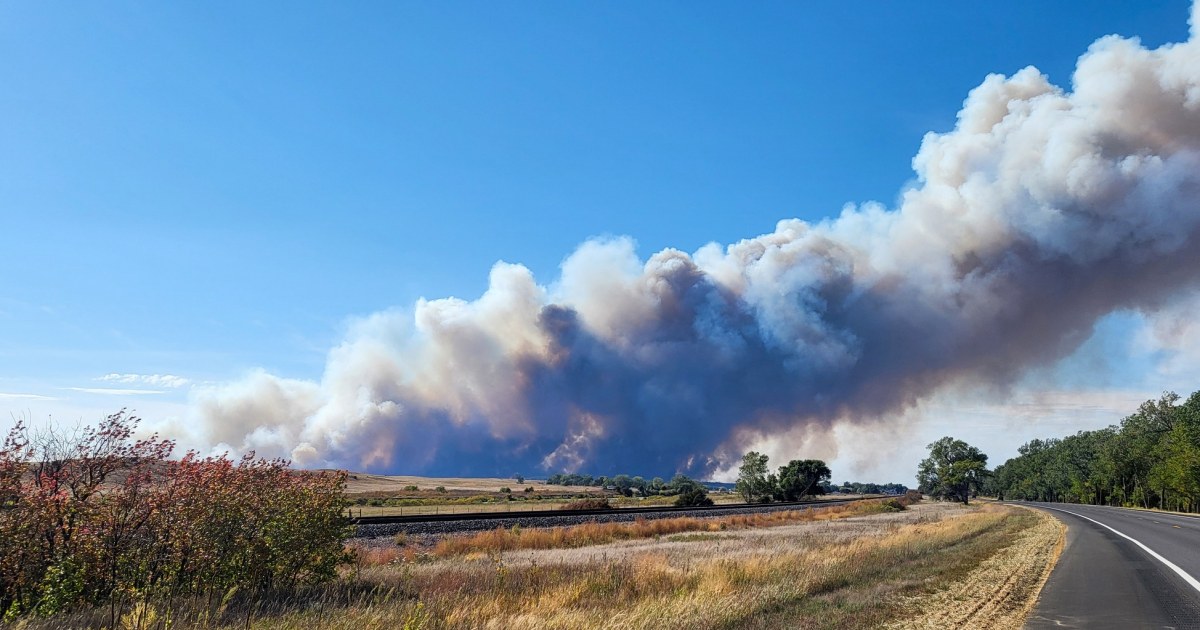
(827, 570)
(599, 533)
(851, 584)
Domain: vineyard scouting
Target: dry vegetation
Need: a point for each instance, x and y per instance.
(846, 568)
(864, 565)
(394, 485)
(1001, 591)
(590, 534)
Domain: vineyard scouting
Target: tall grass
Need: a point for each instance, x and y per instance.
(836, 574)
(854, 584)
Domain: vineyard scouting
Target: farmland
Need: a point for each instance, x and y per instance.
(841, 567)
(383, 495)
(125, 536)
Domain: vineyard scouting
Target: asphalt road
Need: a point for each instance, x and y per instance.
(1105, 580)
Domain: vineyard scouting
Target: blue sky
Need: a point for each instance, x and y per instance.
(203, 189)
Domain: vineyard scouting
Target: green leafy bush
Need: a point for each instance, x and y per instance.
(693, 496)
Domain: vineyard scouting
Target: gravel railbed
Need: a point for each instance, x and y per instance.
(455, 527)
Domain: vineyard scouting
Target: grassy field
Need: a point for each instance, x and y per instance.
(865, 566)
(932, 565)
(488, 504)
(366, 483)
(413, 496)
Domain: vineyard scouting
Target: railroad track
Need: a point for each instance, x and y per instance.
(533, 514)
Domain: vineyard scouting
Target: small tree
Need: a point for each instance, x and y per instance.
(695, 496)
(752, 478)
(954, 469)
(802, 477)
(623, 484)
(691, 492)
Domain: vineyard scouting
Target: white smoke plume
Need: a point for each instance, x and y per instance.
(1041, 211)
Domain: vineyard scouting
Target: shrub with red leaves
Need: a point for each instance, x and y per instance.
(103, 518)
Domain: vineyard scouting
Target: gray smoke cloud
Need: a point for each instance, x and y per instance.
(1040, 212)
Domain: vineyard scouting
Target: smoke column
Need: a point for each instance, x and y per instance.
(1040, 212)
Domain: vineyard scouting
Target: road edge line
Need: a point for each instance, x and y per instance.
(1193, 582)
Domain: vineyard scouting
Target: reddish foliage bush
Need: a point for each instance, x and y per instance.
(103, 518)
(587, 504)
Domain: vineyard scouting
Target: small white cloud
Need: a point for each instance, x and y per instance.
(14, 396)
(156, 380)
(105, 391)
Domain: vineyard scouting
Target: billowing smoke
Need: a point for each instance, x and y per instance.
(1042, 211)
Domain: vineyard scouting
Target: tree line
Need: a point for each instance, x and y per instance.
(1151, 459)
(859, 487)
(795, 480)
(627, 485)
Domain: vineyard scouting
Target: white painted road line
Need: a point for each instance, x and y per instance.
(1193, 582)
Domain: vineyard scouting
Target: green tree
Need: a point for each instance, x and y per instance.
(695, 496)
(752, 478)
(954, 469)
(802, 477)
(679, 483)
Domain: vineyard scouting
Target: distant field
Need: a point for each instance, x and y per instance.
(364, 483)
(482, 495)
(455, 495)
(476, 495)
(936, 565)
(518, 505)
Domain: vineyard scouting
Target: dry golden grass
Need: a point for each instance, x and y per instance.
(854, 571)
(587, 534)
(1000, 592)
(364, 483)
(857, 571)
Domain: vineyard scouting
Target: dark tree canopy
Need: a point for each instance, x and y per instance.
(953, 470)
(802, 477)
(1151, 459)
